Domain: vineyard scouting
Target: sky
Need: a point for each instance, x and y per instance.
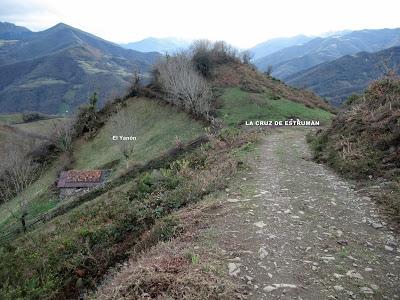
(243, 23)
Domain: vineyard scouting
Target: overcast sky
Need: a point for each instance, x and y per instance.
(242, 23)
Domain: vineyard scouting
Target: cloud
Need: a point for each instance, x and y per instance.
(34, 14)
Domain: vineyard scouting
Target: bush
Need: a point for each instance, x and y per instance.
(31, 117)
(182, 85)
(206, 55)
(363, 140)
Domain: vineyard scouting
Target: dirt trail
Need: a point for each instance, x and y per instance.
(296, 230)
(286, 228)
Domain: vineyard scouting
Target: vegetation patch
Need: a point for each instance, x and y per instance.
(239, 106)
(10, 119)
(73, 251)
(363, 140)
(158, 128)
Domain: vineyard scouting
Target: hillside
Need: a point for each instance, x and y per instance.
(273, 45)
(350, 74)
(9, 31)
(160, 45)
(173, 165)
(363, 141)
(294, 59)
(55, 70)
(250, 94)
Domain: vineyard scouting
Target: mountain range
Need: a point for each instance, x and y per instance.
(270, 46)
(338, 79)
(9, 31)
(293, 59)
(55, 70)
(161, 45)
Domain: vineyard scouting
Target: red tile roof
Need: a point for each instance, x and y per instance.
(80, 179)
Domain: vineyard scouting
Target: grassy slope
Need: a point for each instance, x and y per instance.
(10, 119)
(157, 127)
(101, 224)
(87, 240)
(38, 194)
(239, 106)
(42, 127)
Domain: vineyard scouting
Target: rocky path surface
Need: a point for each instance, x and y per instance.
(296, 230)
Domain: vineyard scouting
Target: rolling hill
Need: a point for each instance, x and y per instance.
(338, 79)
(161, 45)
(55, 70)
(294, 59)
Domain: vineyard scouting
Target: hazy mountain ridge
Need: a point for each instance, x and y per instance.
(55, 70)
(338, 79)
(9, 31)
(294, 59)
(161, 45)
(270, 46)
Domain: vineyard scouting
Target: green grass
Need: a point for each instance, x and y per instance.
(157, 127)
(42, 127)
(38, 196)
(239, 106)
(40, 82)
(43, 263)
(10, 119)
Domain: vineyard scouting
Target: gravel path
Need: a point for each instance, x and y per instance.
(296, 230)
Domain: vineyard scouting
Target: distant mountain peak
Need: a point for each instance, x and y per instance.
(55, 70)
(10, 31)
(6, 26)
(161, 45)
(61, 26)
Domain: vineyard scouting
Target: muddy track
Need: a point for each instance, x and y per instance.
(296, 230)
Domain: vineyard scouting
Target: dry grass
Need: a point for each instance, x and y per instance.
(363, 141)
(188, 264)
(183, 268)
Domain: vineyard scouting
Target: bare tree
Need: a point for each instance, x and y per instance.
(247, 56)
(20, 172)
(268, 71)
(123, 132)
(183, 86)
(62, 134)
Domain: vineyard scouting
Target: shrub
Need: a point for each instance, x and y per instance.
(363, 140)
(182, 85)
(87, 119)
(206, 55)
(31, 117)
